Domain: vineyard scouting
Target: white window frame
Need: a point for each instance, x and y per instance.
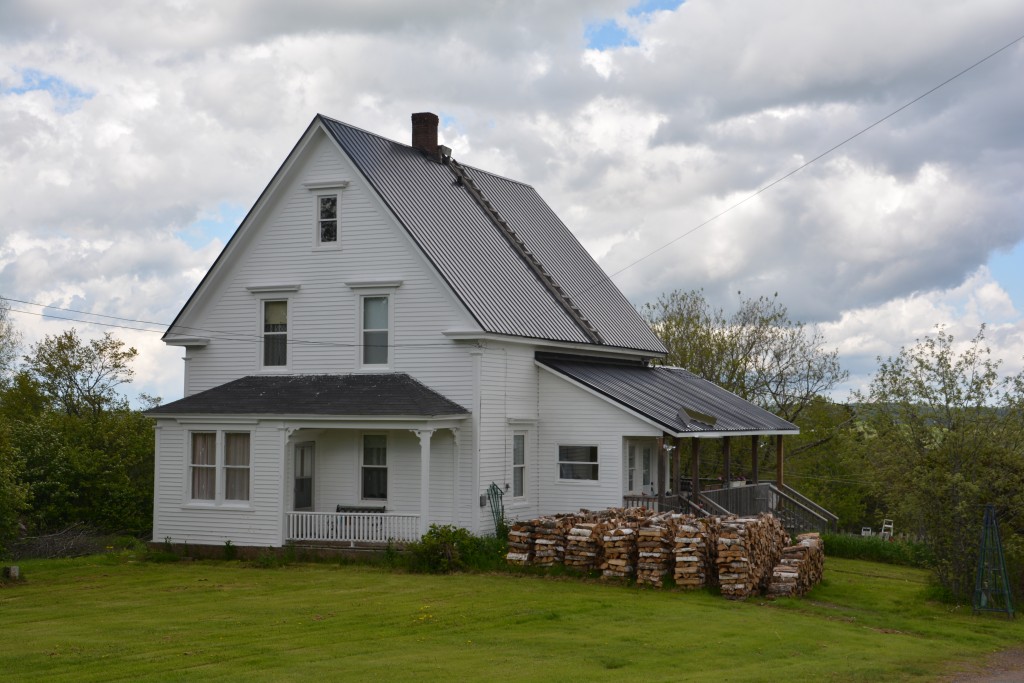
(326, 189)
(287, 333)
(386, 467)
(521, 468)
(220, 468)
(311, 445)
(368, 290)
(596, 463)
(363, 299)
(319, 236)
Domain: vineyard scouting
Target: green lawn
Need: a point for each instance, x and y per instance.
(108, 618)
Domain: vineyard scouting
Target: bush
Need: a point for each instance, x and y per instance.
(877, 549)
(445, 549)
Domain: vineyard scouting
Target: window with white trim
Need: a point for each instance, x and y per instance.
(220, 467)
(236, 466)
(203, 466)
(327, 219)
(375, 467)
(577, 463)
(518, 464)
(376, 329)
(648, 457)
(275, 333)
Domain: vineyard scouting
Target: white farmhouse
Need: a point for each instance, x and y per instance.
(392, 339)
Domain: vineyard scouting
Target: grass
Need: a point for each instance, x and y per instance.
(111, 617)
(877, 549)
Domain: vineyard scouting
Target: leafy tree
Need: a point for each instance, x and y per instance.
(10, 341)
(81, 377)
(944, 434)
(758, 352)
(13, 492)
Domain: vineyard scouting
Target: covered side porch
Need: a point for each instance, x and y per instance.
(664, 473)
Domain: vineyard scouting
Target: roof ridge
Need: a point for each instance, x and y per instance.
(556, 291)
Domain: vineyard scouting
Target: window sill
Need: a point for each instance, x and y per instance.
(579, 482)
(212, 505)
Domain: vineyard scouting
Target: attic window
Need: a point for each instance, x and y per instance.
(327, 208)
(327, 221)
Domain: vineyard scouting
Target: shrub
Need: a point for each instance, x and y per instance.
(877, 549)
(445, 549)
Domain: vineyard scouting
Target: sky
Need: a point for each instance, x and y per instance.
(134, 136)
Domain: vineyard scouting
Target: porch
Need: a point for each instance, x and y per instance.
(352, 528)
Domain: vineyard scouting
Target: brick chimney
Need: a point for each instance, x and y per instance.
(424, 132)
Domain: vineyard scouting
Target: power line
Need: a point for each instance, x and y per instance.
(823, 154)
(229, 336)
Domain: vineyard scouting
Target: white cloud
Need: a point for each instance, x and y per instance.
(127, 124)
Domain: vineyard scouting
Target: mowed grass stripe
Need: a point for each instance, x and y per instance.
(114, 618)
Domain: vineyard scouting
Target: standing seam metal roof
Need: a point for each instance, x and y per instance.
(472, 256)
(659, 392)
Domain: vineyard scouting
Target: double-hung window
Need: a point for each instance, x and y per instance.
(275, 333)
(375, 467)
(376, 330)
(577, 463)
(203, 466)
(327, 219)
(518, 465)
(219, 467)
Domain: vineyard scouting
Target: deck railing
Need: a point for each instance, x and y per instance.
(352, 527)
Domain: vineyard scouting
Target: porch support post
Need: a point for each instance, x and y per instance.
(753, 458)
(424, 435)
(661, 473)
(726, 454)
(694, 469)
(678, 488)
(779, 479)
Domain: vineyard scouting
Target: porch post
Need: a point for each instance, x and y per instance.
(779, 480)
(679, 466)
(753, 457)
(424, 435)
(661, 473)
(694, 469)
(726, 453)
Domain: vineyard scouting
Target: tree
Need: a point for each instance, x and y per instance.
(79, 377)
(10, 341)
(944, 434)
(757, 353)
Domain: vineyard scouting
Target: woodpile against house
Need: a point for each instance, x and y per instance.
(743, 555)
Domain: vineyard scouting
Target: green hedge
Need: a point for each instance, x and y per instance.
(877, 549)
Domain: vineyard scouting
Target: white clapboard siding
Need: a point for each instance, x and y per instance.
(573, 416)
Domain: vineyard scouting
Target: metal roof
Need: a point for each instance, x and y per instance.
(476, 260)
(678, 400)
(357, 395)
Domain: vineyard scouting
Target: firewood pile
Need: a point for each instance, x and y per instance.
(520, 543)
(743, 555)
(800, 568)
(695, 541)
(583, 545)
(549, 539)
(654, 550)
(747, 551)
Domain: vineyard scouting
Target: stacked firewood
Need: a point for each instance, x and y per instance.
(619, 541)
(583, 545)
(654, 550)
(748, 549)
(695, 542)
(800, 568)
(520, 543)
(549, 539)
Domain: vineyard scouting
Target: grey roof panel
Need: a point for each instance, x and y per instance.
(658, 393)
(474, 258)
(327, 395)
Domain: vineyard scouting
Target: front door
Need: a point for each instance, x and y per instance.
(304, 475)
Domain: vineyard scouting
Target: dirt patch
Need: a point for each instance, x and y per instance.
(1002, 667)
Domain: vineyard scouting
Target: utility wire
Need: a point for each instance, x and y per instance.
(823, 154)
(227, 336)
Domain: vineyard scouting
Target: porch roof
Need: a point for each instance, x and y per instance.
(675, 399)
(369, 395)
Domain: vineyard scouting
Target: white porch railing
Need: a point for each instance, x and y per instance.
(352, 527)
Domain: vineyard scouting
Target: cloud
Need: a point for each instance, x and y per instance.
(134, 132)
